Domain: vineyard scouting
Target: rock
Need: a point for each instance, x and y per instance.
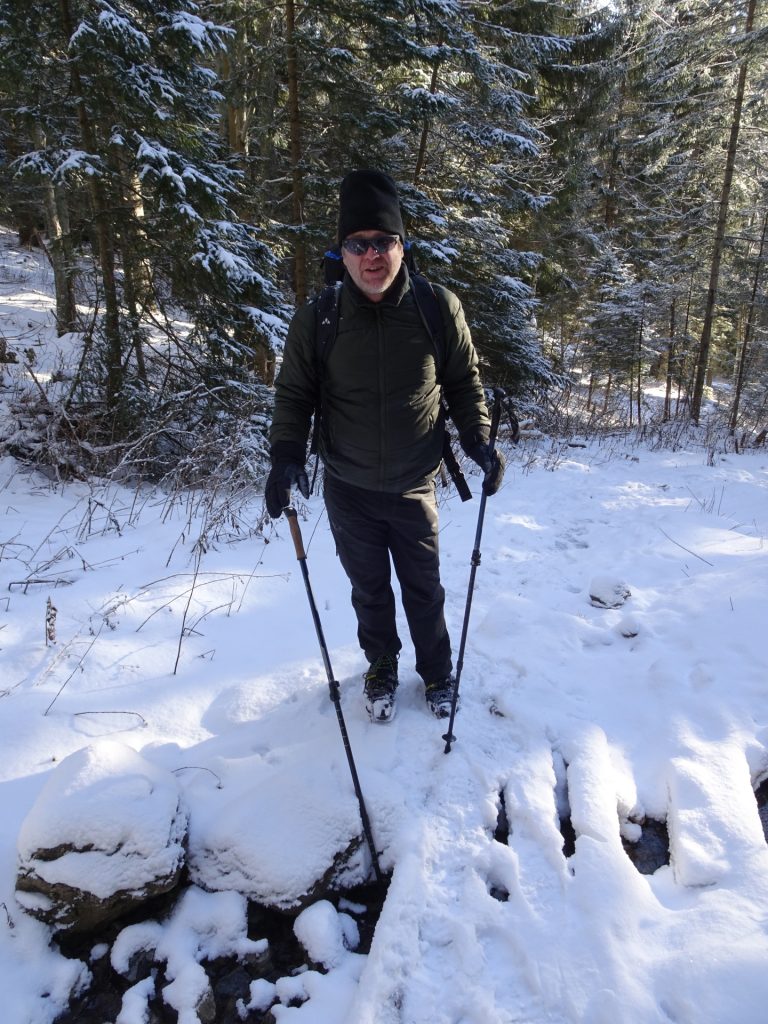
(229, 988)
(206, 1008)
(608, 592)
(629, 627)
(140, 965)
(282, 844)
(106, 834)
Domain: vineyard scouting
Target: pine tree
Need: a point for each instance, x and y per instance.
(478, 179)
(135, 130)
(33, 86)
(643, 148)
(722, 218)
(578, 103)
(435, 94)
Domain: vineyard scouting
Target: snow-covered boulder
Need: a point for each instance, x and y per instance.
(285, 844)
(106, 833)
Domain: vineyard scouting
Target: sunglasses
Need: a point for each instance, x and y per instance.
(380, 244)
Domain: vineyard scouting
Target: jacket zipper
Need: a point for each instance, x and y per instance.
(382, 400)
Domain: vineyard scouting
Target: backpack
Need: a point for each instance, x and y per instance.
(327, 325)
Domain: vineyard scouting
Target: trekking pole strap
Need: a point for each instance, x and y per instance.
(454, 470)
(498, 401)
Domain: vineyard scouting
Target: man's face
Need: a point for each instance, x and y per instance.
(373, 272)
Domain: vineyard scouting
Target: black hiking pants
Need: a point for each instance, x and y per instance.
(369, 527)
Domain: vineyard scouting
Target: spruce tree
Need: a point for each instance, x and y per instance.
(135, 130)
(436, 94)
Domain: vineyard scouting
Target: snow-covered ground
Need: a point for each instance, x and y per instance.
(211, 671)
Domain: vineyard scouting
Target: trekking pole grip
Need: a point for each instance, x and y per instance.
(293, 526)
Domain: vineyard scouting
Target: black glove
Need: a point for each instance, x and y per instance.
(287, 472)
(476, 446)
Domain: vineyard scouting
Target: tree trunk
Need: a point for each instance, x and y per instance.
(130, 294)
(421, 158)
(59, 249)
(640, 331)
(61, 254)
(104, 239)
(748, 327)
(722, 217)
(611, 204)
(607, 394)
(685, 399)
(234, 121)
(670, 362)
(631, 392)
(297, 179)
(137, 273)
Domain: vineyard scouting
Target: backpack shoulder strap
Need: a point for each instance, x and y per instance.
(326, 321)
(428, 306)
(326, 328)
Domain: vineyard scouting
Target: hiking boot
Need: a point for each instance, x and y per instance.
(439, 695)
(380, 683)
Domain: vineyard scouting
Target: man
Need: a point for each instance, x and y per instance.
(381, 438)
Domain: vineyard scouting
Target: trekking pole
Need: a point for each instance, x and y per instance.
(333, 685)
(449, 738)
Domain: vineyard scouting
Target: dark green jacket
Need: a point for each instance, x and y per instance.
(382, 424)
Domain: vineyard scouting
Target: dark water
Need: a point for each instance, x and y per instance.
(230, 980)
(651, 851)
(761, 795)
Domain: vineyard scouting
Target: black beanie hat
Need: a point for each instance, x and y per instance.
(368, 202)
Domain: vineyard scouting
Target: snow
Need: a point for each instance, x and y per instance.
(428, 99)
(274, 326)
(124, 32)
(75, 161)
(206, 668)
(262, 994)
(204, 35)
(325, 934)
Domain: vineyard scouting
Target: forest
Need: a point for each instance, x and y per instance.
(589, 178)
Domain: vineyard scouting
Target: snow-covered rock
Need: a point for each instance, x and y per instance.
(285, 844)
(325, 934)
(203, 927)
(106, 833)
(608, 592)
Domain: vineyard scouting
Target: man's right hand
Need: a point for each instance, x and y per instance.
(476, 446)
(285, 474)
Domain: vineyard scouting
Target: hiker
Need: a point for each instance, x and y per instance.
(381, 438)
